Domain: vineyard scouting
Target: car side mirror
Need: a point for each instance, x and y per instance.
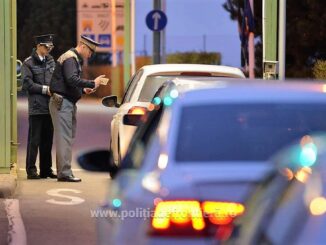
(110, 101)
(132, 119)
(97, 161)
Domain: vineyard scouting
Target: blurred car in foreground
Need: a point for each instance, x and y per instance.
(140, 91)
(209, 151)
(290, 206)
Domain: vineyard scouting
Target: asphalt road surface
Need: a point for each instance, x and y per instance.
(49, 212)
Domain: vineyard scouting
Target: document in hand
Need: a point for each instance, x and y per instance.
(104, 81)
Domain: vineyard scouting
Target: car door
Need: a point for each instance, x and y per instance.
(248, 228)
(117, 118)
(129, 170)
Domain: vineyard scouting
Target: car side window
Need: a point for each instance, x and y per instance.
(127, 89)
(131, 86)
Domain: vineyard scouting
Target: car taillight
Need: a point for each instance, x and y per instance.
(190, 218)
(222, 213)
(137, 110)
(179, 213)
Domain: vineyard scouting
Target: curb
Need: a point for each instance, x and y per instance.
(8, 183)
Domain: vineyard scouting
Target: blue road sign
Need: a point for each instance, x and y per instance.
(105, 40)
(156, 20)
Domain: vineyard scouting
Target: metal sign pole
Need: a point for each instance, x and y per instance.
(132, 32)
(270, 39)
(157, 38)
(251, 47)
(282, 39)
(163, 36)
(126, 51)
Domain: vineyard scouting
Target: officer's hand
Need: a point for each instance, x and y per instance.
(98, 81)
(48, 92)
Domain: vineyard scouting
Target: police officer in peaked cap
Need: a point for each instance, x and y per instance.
(37, 71)
(67, 86)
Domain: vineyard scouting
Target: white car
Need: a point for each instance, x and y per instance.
(186, 180)
(140, 91)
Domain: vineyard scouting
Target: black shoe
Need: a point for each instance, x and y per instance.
(69, 179)
(33, 176)
(50, 175)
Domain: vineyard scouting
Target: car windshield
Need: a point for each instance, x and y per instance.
(244, 132)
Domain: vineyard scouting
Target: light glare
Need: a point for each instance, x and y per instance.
(318, 206)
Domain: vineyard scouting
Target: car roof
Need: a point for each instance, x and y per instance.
(171, 69)
(238, 90)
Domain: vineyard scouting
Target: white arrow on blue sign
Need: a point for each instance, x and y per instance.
(156, 20)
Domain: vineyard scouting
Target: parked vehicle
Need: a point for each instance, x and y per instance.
(290, 206)
(190, 177)
(140, 91)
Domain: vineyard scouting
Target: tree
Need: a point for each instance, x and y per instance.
(211, 58)
(319, 69)
(305, 33)
(35, 17)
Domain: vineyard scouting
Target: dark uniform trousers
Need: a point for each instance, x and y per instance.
(40, 137)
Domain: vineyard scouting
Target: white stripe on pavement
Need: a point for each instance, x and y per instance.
(16, 232)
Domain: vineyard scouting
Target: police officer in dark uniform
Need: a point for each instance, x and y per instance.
(37, 71)
(66, 87)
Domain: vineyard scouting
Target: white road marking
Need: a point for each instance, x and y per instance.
(16, 232)
(72, 199)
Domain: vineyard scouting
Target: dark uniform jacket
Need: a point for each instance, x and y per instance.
(36, 74)
(66, 79)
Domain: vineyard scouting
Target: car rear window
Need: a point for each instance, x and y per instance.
(151, 85)
(244, 132)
